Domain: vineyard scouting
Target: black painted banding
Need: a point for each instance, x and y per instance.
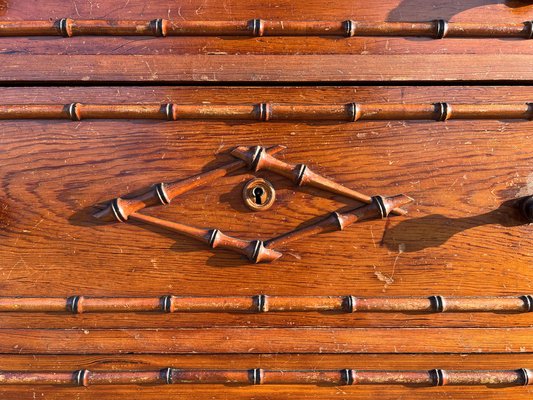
(212, 238)
(265, 111)
(72, 112)
(529, 24)
(301, 174)
(167, 373)
(72, 304)
(261, 303)
(63, 28)
(166, 303)
(352, 109)
(348, 26)
(162, 194)
(438, 303)
(257, 250)
(158, 24)
(350, 303)
(169, 111)
(443, 110)
(528, 302)
(347, 376)
(81, 376)
(337, 217)
(117, 211)
(378, 200)
(256, 157)
(257, 27)
(441, 28)
(437, 377)
(525, 376)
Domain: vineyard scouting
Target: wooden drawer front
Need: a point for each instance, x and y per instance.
(456, 240)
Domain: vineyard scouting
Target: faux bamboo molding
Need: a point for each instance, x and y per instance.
(259, 376)
(265, 303)
(255, 158)
(350, 112)
(437, 29)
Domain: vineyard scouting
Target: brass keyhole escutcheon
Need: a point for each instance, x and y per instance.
(258, 194)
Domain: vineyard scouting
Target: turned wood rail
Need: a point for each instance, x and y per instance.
(265, 303)
(437, 29)
(349, 112)
(258, 376)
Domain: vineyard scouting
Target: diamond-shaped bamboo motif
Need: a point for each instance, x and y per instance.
(255, 158)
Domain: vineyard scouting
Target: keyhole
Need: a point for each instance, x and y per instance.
(258, 193)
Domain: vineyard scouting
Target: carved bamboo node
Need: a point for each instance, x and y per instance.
(264, 111)
(159, 27)
(73, 112)
(75, 304)
(82, 377)
(354, 112)
(118, 211)
(349, 377)
(256, 376)
(438, 303)
(349, 28)
(441, 28)
(65, 27)
(529, 29)
(349, 304)
(528, 302)
(257, 27)
(261, 303)
(169, 111)
(527, 376)
(443, 111)
(439, 376)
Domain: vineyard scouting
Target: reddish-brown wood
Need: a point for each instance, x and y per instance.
(353, 112)
(264, 303)
(258, 69)
(466, 234)
(236, 340)
(162, 27)
(259, 376)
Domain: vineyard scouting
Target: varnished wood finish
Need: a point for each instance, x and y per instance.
(259, 376)
(266, 303)
(351, 112)
(162, 27)
(268, 340)
(466, 234)
(258, 69)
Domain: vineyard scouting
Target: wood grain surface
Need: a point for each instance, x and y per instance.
(457, 240)
(179, 59)
(479, 11)
(463, 235)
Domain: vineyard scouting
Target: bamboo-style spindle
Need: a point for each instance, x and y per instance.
(254, 250)
(121, 209)
(263, 303)
(258, 376)
(437, 29)
(258, 159)
(379, 207)
(349, 112)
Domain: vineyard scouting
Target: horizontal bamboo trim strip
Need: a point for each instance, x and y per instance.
(436, 29)
(350, 112)
(257, 376)
(263, 303)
